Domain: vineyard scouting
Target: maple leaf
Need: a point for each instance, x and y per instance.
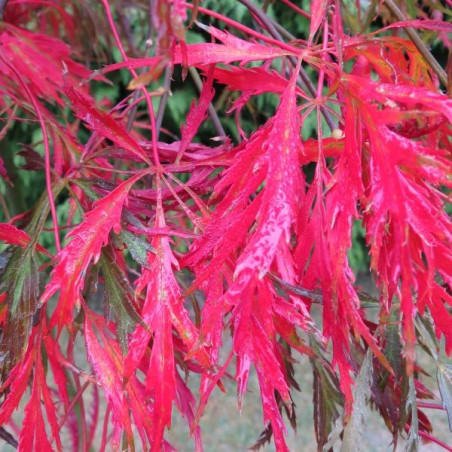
(20, 283)
(232, 49)
(401, 209)
(16, 383)
(103, 123)
(243, 79)
(318, 11)
(267, 222)
(109, 370)
(162, 310)
(271, 155)
(38, 58)
(119, 299)
(196, 115)
(33, 435)
(87, 240)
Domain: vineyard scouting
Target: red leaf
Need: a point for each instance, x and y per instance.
(271, 155)
(437, 25)
(411, 95)
(10, 234)
(131, 63)
(244, 79)
(109, 370)
(196, 115)
(403, 214)
(232, 49)
(39, 58)
(53, 352)
(163, 309)
(318, 10)
(186, 403)
(87, 240)
(16, 384)
(280, 198)
(103, 123)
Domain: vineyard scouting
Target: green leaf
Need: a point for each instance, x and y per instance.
(20, 282)
(119, 297)
(427, 336)
(327, 397)
(137, 246)
(393, 343)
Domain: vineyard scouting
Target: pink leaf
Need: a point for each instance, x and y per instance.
(16, 384)
(318, 10)
(163, 309)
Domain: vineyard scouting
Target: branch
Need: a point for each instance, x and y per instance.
(313, 295)
(5, 435)
(367, 301)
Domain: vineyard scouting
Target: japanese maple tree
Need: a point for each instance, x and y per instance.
(148, 246)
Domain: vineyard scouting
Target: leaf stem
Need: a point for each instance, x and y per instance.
(417, 41)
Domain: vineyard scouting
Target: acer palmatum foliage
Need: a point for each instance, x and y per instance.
(186, 240)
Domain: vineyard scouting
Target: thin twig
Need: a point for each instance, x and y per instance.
(5, 435)
(313, 295)
(417, 41)
(367, 301)
(136, 94)
(267, 22)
